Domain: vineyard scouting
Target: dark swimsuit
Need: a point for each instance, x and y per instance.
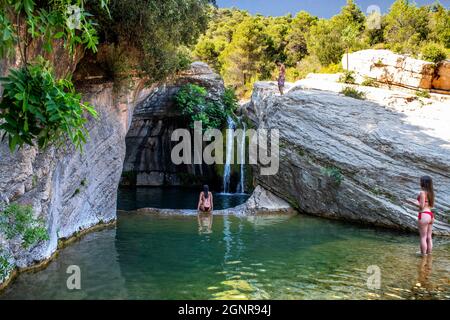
(282, 78)
(425, 212)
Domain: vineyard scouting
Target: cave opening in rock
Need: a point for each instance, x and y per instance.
(148, 170)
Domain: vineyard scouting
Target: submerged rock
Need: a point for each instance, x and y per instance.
(355, 159)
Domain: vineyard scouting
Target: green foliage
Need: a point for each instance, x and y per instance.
(347, 77)
(328, 39)
(353, 93)
(243, 60)
(423, 94)
(17, 220)
(114, 61)
(324, 42)
(36, 107)
(333, 173)
(434, 52)
(374, 30)
(221, 28)
(332, 68)
(349, 35)
(370, 82)
(8, 36)
(193, 102)
(244, 48)
(5, 266)
(152, 31)
(439, 25)
(310, 64)
(47, 21)
(406, 26)
(230, 100)
(296, 47)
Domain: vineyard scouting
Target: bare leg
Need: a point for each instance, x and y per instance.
(280, 87)
(423, 231)
(429, 238)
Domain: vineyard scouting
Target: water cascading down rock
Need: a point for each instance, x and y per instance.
(228, 155)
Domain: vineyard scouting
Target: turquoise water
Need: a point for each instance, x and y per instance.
(297, 257)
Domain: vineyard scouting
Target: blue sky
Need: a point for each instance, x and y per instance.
(320, 8)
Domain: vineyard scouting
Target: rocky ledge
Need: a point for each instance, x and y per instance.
(260, 202)
(357, 160)
(388, 67)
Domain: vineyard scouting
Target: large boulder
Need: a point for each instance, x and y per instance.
(441, 79)
(391, 68)
(352, 159)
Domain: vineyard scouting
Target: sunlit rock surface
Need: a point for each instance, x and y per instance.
(388, 67)
(380, 149)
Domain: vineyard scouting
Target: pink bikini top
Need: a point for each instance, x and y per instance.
(426, 199)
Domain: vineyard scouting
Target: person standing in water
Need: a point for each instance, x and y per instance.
(281, 76)
(205, 200)
(425, 202)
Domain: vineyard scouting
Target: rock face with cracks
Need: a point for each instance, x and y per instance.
(69, 190)
(149, 144)
(352, 159)
(388, 67)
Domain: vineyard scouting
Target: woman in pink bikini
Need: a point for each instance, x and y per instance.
(425, 201)
(205, 201)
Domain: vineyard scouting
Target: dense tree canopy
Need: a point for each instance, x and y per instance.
(152, 33)
(244, 48)
(147, 36)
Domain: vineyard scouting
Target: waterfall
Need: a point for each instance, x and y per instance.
(241, 155)
(229, 155)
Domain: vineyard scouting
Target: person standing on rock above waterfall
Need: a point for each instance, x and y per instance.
(281, 76)
(205, 200)
(425, 202)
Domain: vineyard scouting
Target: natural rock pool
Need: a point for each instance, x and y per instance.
(262, 257)
(172, 198)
